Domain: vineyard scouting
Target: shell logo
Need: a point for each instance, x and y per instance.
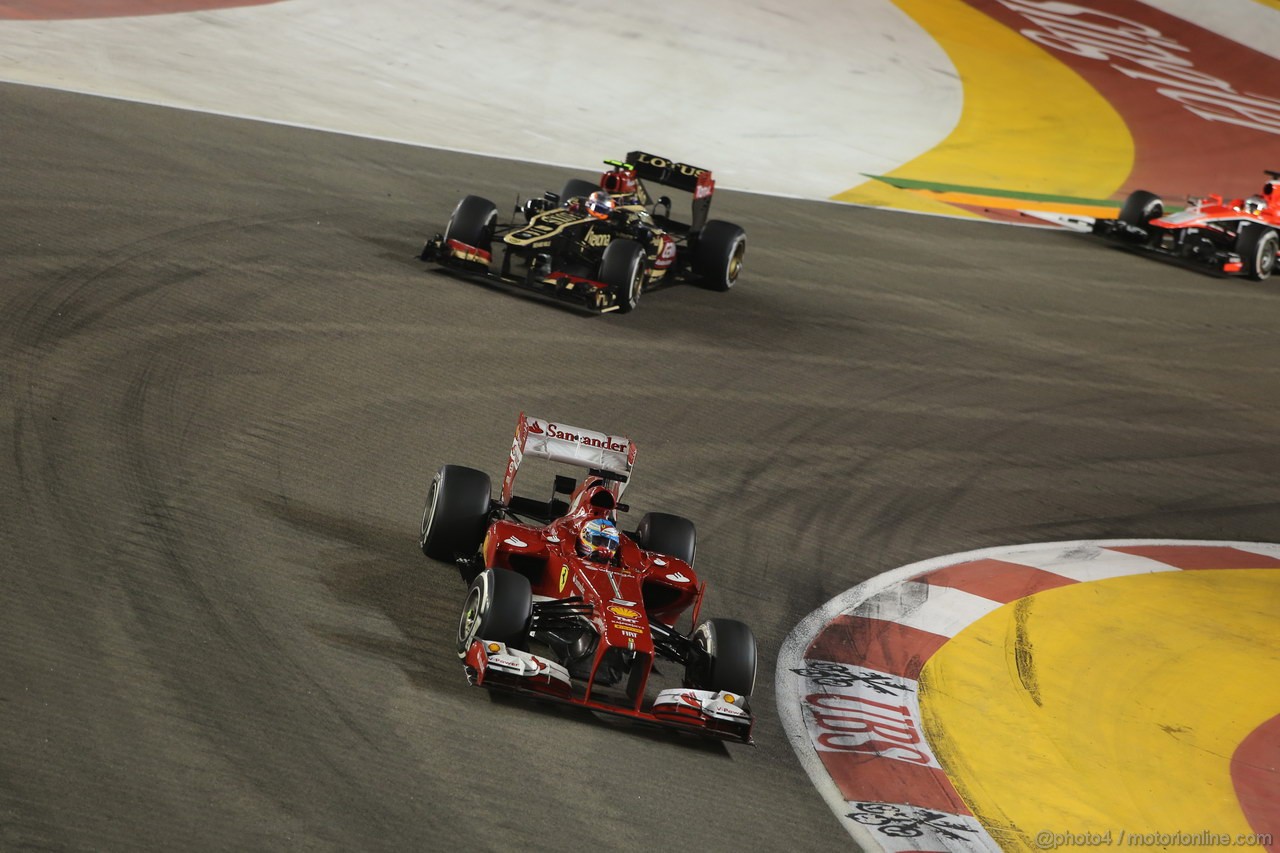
(624, 612)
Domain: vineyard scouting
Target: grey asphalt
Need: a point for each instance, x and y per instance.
(227, 382)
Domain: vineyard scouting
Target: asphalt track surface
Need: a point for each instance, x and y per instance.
(227, 382)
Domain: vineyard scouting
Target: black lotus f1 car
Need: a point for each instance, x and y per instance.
(602, 244)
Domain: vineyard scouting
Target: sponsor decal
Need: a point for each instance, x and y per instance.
(628, 629)
(517, 543)
(597, 239)
(663, 163)
(624, 612)
(658, 561)
(1141, 52)
(678, 577)
(535, 428)
(564, 576)
(547, 224)
(666, 252)
(852, 723)
(702, 191)
(909, 821)
(607, 442)
(553, 538)
(831, 674)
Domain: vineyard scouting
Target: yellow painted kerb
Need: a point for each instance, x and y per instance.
(1028, 124)
(1112, 705)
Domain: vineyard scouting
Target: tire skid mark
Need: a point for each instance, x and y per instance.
(1024, 650)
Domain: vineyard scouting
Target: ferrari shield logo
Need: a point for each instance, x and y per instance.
(564, 576)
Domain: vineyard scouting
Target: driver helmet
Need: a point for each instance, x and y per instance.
(1255, 204)
(599, 204)
(598, 540)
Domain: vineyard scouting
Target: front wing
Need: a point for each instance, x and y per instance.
(1163, 242)
(719, 714)
(472, 261)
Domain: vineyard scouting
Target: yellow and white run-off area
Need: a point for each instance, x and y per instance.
(1056, 695)
(1108, 707)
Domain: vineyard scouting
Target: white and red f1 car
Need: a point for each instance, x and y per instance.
(1236, 237)
(541, 618)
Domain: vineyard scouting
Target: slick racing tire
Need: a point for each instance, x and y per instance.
(1257, 247)
(473, 222)
(498, 606)
(717, 258)
(622, 269)
(577, 188)
(724, 657)
(457, 513)
(668, 534)
(1140, 208)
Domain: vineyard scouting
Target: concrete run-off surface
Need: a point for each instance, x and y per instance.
(798, 100)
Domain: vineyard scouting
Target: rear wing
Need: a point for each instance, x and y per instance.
(680, 176)
(612, 455)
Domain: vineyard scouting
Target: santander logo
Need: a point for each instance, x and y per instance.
(535, 427)
(605, 442)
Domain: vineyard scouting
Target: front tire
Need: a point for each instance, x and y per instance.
(1140, 208)
(457, 513)
(498, 606)
(622, 269)
(473, 223)
(723, 658)
(717, 259)
(1257, 247)
(672, 535)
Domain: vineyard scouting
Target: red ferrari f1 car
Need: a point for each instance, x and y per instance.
(564, 605)
(600, 245)
(1237, 237)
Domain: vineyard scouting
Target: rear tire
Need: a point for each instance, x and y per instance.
(724, 657)
(498, 606)
(457, 513)
(717, 259)
(668, 534)
(473, 223)
(1257, 246)
(577, 188)
(622, 269)
(1140, 208)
